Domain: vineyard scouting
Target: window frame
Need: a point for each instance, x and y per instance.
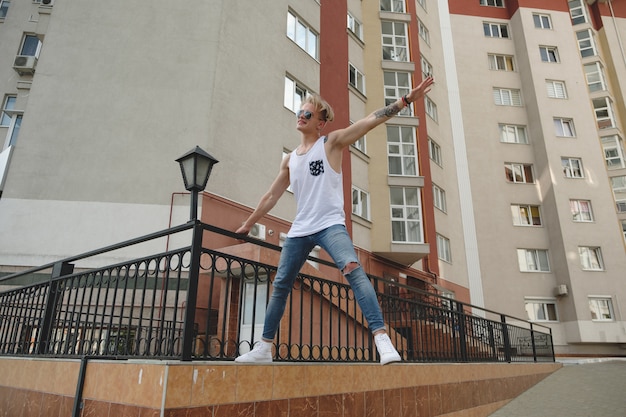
(605, 117)
(355, 26)
(569, 170)
(524, 254)
(549, 54)
(402, 85)
(511, 95)
(576, 20)
(439, 198)
(298, 94)
(492, 3)
(556, 89)
(515, 170)
(406, 146)
(356, 78)
(526, 215)
(586, 44)
(597, 73)
(293, 20)
(434, 152)
(591, 258)
(540, 19)
(496, 30)
(564, 127)
(362, 206)
(617, 147)
(423, 31)
(594, 299)
(550, 314)
(395, 45)
(580, 213)
(4, 8)
(506, 130)
(444, 250)
(430, 109)
(501, 62)
(410, 219)
(393, 6)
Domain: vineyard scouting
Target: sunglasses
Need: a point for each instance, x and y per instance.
(307, 114)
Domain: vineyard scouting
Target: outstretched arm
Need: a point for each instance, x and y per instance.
(344, 137)
(269, 199)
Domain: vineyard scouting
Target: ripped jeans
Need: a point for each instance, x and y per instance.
(336, 241)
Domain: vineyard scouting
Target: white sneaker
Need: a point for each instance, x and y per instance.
(261, 353)
(385, 349)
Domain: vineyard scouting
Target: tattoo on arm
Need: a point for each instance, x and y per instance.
(389, 111)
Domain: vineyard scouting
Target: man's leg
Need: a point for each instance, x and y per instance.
(292, 257)
(336, 241)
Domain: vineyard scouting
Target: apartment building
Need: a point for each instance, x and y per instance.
(505, 188)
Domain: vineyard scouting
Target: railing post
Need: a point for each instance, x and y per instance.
(58, 270)
(505, 338)
(192, 291)
(532, 341)
(461, 323)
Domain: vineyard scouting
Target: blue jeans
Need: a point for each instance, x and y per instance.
(336, 241)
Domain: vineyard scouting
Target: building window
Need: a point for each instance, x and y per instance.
(581, 210)
(624, 229)
(395, 41)
(549, 54)
(397, 84)
(492, 3)
(4, 7)
(355, 26)
(439, 198)
(507, 97)
(577, 12)
(542, 21)
(601, 308)
(396, 6)
(406, 214)
(434, 152)
(496, 30)
(299, 32)
(431, 108)
(586, 45)
(513, 134)
(423, 31)
(572, 167)
(402, 150)
(556, 89)
(443, 248)
(427, 69)
(533, 260)
(356, 78)
(7, 106)
(519, 173)
(31, 46)
(360, 203)
(361, 144)
(618, 184)
(590, 258)
(614, 155)
(564, 127)
(501, 62)
(595, 77)
(525, 215)
(422, 3)
(541, 310)
(294, 94)
(603, 109)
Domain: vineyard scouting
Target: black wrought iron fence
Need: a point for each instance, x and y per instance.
(197, 303)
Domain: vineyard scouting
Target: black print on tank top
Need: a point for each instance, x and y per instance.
(316, 167)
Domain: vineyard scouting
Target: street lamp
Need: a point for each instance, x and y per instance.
(196, 166)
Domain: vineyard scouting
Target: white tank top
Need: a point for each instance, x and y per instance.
(318, 189)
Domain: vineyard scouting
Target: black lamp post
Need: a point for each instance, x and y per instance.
(196, 166)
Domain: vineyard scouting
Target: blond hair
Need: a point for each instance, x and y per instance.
(321, 106)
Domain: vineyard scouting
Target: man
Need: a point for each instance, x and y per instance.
(314, 172)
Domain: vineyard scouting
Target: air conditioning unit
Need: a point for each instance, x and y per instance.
(47, 2)
(25, 64)
(258, 231)
(560, 290)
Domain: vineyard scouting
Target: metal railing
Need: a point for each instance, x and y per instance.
(195, 303)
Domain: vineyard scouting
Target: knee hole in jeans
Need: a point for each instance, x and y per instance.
(351, 266)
